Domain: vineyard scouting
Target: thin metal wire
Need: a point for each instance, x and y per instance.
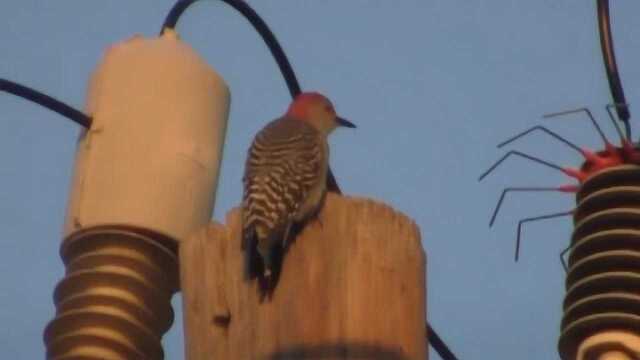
(521, 189)
(46, 101)
(586, 110)
(536, 218)
(627, 126)
(562, 261)
(521, 154)
(543, 129)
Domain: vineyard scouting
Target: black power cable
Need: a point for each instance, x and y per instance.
(439, 345)
(260, 26)
(294, 89)
(272, 43)
(46, 101)
(609, 57)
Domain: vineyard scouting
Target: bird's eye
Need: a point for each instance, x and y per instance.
(328, 108)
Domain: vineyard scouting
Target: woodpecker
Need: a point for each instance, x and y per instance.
(285, 182)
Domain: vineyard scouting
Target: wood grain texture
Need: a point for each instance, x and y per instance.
(352, 287)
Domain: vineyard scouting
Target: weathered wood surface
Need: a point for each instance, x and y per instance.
(352, 287)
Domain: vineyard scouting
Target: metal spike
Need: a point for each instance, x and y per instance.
(536, 218)
(543, 129)
(522, 189)
(588, 112)
(562, 260)
(521, 154)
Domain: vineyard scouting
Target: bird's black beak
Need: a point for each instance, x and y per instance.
(344, 122)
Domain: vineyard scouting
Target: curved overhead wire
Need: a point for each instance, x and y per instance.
(270, 40)
(609, 58)
(260, 26)
(46, 101)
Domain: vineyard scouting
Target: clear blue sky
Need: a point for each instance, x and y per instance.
(433, 86)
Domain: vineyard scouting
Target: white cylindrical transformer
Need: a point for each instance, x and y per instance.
(152, 155)
(145, 179)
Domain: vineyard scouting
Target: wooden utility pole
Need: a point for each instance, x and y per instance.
(352, 287)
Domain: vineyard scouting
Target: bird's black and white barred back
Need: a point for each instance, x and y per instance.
(285, 182)
(284, 165)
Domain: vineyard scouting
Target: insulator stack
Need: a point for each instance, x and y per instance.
(114, 301)
(603, 278)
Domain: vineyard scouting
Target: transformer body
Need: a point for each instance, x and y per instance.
(145, 178)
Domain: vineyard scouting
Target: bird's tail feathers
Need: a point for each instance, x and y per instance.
(272, 263)
(263, 259)
(254, 266)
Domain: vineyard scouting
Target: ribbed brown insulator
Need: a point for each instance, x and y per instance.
(603, 280)
(114, 301)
